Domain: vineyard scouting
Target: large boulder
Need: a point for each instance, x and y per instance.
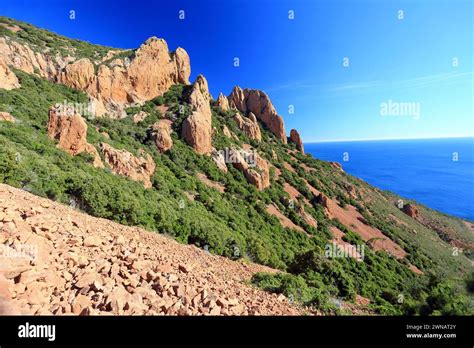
(161, 135)
(8, 79)
(249, 126)
(197, 128)
(124, 163)
(259, 174)
(197, 132)
(7, 117)
(258, 102)
(70, 130)
(296, 139)
(22, 57)
(410, 210)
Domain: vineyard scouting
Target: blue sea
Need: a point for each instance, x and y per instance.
(436, 172)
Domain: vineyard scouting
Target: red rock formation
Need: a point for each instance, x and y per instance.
(124, 163)
(410, 210)
(161, 135)
(8, 79)
(197, 128)
(223, 102)
(257, 102)
(249, 126)
(147, 74)
(254, 167)
(295, 138)
(70, 130)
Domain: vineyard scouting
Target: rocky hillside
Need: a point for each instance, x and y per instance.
(67, 262)
(123, 135)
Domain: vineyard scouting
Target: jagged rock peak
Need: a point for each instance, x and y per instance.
(296, 139)
(197, 128)
(223, 102)
(256, 101)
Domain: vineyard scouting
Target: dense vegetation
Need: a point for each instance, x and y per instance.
(41, 40)
(234, 223)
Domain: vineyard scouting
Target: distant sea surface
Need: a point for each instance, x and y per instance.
(436, 172)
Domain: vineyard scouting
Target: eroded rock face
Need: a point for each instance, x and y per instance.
(79, 75)
(249, 126)
(223, 102)
(200, 98)
(124, 163)
(161, 134)
(70, 130)
(148, 73)
(197, 128)
(296, 139)
(22, 57)
(254, 167)
(8, 79)
(196, 131)
(7, 117)
(258, 102)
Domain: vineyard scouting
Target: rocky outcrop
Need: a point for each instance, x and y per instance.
(259, 175)
(196, 131)
(81, 265)
(249, 126)
(139, 116)
(336, 165)
(296, 139)
(219, 160)
(124, 163)
(254, 167)
(8, 79)
(197, 128)
(257, 102)
(410, 210)
(7, 117)
(70, 130)
(223, 102)
(161, 135)
(200, 98)
(226, 131)
(79, 75)
(146, 74)
(22, 57)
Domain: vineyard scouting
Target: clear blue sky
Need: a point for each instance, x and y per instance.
(300, 62)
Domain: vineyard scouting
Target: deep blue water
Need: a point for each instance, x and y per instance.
(423, 169)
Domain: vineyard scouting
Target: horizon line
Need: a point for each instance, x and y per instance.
(384, 139)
